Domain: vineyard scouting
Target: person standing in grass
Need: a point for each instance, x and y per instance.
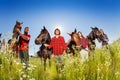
(104, 38)
(84, 47)
(24, 45)
(59, 46)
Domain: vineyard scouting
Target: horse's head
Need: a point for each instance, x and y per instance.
(18, 24)
(43, 37)
(94, 34)
(75, 37)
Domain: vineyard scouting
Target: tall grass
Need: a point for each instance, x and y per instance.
(103, 64)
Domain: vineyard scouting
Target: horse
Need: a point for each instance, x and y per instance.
(94, 34)
(14, 42)
(74, 43)
(44, 52)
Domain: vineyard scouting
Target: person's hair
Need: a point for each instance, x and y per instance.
(80, 33)
(26, 27)
(56, 30)
(102, 31)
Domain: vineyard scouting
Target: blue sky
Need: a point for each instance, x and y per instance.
(64, 14)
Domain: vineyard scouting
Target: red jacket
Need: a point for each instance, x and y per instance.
(58, 45)
(23, 44)
(84, 42)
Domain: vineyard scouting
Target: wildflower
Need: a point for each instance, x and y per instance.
(21, 78)
(17, 63)
(24, 67)
(29, 65)
(24, 75)
(107, 63)
(29, 69)
(23, 64)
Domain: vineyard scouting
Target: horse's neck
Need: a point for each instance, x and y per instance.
(49, 39)
(42, 47)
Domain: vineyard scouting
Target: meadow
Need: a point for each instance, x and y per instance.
(103, 64)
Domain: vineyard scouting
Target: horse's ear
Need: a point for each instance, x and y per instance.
(75, 30)
(0, 34)
(91, 27)
(69, 34)
(44, 27)
(96, 28)
(16, 21)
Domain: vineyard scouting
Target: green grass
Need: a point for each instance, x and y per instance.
(103, 64)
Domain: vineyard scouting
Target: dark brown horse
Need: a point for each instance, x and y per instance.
(74, 43)
(44, 52)
(94, 34)
(13, 43)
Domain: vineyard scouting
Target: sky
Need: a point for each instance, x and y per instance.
(63, 14)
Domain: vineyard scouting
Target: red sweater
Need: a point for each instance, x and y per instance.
(23, 44)
(58, 45)
(84, 42)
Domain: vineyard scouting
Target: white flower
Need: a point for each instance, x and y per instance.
(21, 78)
(24, 67)
(29, 65)
(29, 69)
(24, 76)
(23, 64)
(17, 63)
(32, 79)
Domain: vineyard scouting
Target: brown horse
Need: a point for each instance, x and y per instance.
(94, 34)
(44, 52)
(13, 43)
(74, 43)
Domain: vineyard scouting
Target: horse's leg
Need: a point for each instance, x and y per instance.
(44, 64)
(49, 61)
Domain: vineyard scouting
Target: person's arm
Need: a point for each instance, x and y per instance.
(49, 45)
(22, 35)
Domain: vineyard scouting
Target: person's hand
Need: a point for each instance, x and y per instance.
(64, 52)
(46, 45)
(18, 30)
